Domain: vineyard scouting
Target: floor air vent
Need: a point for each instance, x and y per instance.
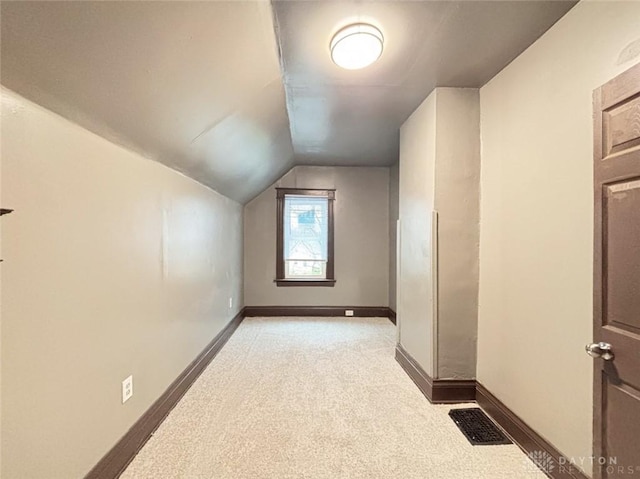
(477, 427)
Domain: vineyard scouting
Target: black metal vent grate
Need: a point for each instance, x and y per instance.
(477, 427)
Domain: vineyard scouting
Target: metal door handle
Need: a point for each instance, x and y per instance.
(600, 350)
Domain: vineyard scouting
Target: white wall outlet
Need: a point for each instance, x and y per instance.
(127, 389)
(230, 302)
(348, 312)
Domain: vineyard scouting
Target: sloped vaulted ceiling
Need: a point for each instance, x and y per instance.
(234, 93)
(194, 85)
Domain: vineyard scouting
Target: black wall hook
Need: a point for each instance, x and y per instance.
(4, 211)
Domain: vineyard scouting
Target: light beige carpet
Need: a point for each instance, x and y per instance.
(315, 398)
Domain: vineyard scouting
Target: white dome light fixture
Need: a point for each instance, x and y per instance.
(356, 46)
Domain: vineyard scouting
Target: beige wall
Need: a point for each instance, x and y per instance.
(457, 202)
(536, 255)
(114, 265)
(417, 191)
(438, 274)
(361, 213)
(394, 199)
(1, 340)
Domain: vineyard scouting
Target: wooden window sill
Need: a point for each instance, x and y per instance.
(306, 282)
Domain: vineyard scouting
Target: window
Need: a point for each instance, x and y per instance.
(304, 243)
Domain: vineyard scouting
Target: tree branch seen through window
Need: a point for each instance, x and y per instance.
(304, 243)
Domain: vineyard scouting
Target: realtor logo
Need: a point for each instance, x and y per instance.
(540, 460)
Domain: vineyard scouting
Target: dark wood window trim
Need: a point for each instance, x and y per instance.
(280, 280)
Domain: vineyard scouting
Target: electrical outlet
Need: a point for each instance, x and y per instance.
(348, 312)
(127, 389)
(230, 302)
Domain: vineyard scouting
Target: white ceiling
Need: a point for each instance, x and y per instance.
(235, 93)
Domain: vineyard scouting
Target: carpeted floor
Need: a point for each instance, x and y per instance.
(315, 398)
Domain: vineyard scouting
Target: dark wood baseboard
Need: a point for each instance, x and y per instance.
(322, 311)
(437, 391)
(456, 391)
(392, 316)
(415, 372)
(119, 457)
(524, 436)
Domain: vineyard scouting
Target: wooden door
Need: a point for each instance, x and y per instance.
(617, 277)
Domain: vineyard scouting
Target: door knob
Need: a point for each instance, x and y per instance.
(600, 350)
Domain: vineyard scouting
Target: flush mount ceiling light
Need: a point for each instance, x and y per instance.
(356, 46)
